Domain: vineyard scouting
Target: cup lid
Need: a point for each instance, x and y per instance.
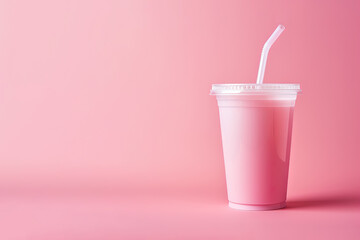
(253, 88)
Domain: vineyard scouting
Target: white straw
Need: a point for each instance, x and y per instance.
(265, 52)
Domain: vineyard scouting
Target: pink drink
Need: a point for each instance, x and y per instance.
(256, 126)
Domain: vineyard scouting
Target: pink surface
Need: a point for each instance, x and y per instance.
(111, 216)
(100, 99)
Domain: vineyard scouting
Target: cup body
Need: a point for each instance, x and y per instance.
(256, 136)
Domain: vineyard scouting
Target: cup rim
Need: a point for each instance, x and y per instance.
(253, 88)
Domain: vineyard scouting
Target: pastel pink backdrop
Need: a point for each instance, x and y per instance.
(112, 96)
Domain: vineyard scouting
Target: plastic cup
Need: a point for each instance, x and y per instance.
(256, 125)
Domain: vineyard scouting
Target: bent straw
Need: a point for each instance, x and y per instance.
(265, 52)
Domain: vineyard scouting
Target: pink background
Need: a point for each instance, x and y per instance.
(108, 131)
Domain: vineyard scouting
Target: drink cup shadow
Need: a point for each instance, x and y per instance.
(328, 202)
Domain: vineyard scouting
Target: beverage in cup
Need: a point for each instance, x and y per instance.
(256, 126)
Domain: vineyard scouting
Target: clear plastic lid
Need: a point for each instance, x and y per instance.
(247, 88)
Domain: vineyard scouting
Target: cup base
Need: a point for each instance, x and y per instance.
(249, 207)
